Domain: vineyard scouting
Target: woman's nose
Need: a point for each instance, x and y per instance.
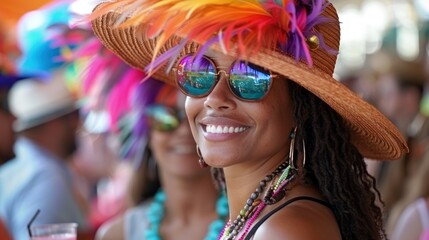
(221, 97)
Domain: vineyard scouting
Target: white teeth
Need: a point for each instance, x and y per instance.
(238, 129)
(224, 129)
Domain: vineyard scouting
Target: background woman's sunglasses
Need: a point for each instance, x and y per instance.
(163, 118)
(198, 77)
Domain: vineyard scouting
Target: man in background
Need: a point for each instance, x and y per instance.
(8, 76)
(7, 137)
(38, 177)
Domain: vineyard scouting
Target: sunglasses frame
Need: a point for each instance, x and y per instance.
(179, 114)
(227, 74)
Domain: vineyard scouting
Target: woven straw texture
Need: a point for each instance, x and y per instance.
(372, 133)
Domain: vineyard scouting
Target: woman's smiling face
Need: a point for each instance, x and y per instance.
(175, 151)
(231, 131)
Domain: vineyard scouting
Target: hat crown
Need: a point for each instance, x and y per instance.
(241, 28)
(323, 60)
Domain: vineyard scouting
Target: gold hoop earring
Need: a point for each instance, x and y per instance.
(303, 153)
(292, 150)
(201, 161)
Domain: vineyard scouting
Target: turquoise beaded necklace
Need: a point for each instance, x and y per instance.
(156, 212)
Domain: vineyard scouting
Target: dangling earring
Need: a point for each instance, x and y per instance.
(201, 161)
(292, 150)
(303, 153)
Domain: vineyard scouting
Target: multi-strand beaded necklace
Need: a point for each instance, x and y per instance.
(254, 205)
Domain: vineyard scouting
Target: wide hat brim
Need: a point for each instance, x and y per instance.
(372, 133)
(24, 124)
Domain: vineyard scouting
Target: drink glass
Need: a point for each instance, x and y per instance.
(56, 231)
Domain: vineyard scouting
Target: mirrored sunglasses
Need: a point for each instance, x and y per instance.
(197, 77)
(163, 118)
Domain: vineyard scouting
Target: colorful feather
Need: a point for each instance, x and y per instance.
(243, 25)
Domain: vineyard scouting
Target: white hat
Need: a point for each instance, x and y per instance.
(35, 101)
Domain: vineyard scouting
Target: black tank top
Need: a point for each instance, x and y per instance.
(264, 218)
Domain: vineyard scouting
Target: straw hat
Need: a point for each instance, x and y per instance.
(305, 53)
(35, 101)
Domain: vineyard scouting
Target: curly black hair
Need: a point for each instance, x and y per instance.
(336, 168)
(145, 181)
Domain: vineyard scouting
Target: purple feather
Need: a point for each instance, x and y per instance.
(143, 96)
(172, 53)
(304, 16)
(317, 8)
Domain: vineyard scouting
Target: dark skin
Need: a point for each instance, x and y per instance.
(7, 137)
(61, 131)
(301, 219)
(263, 147)
(334, 171)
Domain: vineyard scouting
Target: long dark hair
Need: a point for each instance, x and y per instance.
(145, 181)
(135, 142)
(336, 167)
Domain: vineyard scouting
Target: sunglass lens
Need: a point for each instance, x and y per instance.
(196, 77)
(248, 81)
(162, 118)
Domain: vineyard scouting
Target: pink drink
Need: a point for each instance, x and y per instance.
(65, 236)
(58, 231)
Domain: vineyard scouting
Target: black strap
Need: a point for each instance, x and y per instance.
(264, 218)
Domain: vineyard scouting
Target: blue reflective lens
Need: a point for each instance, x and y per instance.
(248, 81)
(198, 77)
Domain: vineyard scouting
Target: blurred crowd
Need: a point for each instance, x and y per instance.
(399, 89)
(74, 142)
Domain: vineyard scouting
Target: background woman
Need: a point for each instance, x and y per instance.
(155, 135)
(175, 198)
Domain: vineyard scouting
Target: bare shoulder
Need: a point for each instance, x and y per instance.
(300, 220)
(111, 230)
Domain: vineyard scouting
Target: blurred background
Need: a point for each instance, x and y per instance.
(368, 26)
(399, 27)
(384, 58)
